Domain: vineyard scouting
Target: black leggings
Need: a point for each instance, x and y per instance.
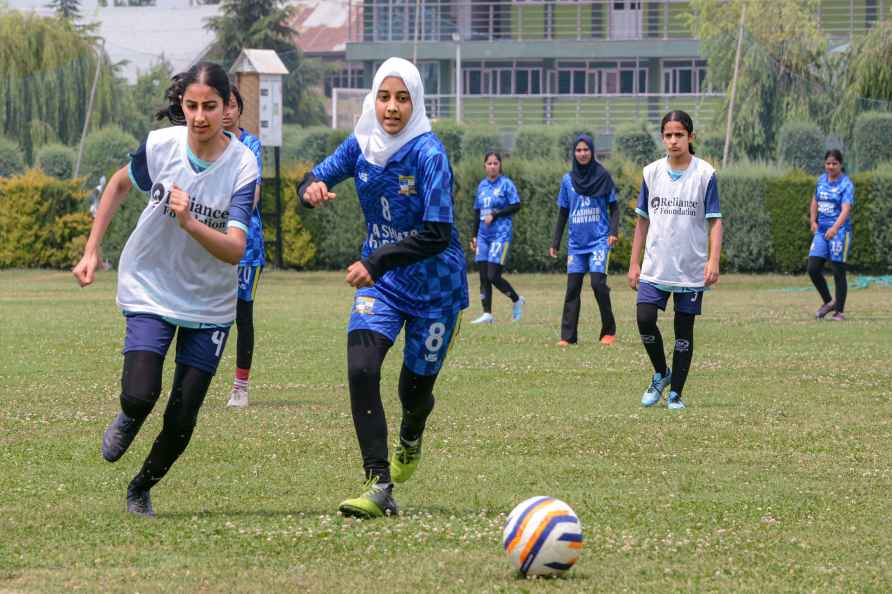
(573, 303)
(365, 354)
(140, 389)
(653, 343)
(491, 275)
(244, 324)
(840, 284)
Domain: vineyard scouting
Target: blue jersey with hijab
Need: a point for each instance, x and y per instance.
(413, 187)
(830, 196)
(254, 248)
(495, 195)
(589, 219)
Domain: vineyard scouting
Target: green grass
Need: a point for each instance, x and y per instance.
(776, 479)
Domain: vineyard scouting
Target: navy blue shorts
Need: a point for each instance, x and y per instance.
(196, 347)
(428, 340)
(689, 303)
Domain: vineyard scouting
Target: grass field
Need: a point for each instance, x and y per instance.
(775, 479)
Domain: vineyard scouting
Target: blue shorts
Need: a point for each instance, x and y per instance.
(835, 250)
(690, 302)
(248, 280)
(196, 347)
(428, 340)
(595, 261)
(492, 250)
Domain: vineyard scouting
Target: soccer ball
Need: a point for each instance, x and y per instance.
(542, 536)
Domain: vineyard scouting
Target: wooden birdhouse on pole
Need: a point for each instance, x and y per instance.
(258, 74)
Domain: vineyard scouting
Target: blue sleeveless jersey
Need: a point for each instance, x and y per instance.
(496, 195)
(414, 187)
(254, 248)
(589, 218)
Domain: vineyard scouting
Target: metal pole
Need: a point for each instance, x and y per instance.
(415, 44)
(334, 108)
(733, 88)
(458, 85)
(80, 147)
(279, 259)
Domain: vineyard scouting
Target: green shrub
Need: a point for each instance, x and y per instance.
(878, 211)
(788, 198)
(477, 143)
(45, 223)
(298, 249)
(747, 242)
(42, 134)
(56, 160)
(537, 142)
(871, 144)
(337, 229)
(635, 143)
(801, 146)
(105, 151)
(11, 162)
(452, 136)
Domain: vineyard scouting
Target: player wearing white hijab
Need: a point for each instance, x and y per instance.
(411, 273)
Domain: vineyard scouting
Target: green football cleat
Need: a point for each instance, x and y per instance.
(376, 502)
(404, 461)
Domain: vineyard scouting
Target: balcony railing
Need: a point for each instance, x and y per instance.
(520, 20)
(601, 113)
(580, 20)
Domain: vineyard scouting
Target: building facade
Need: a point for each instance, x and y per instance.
(507, 63)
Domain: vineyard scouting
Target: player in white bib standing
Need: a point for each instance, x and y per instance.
(680, 227)
(177, 273)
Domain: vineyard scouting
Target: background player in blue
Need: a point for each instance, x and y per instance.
(831, 223)
(251, 266)
(588, 199)
(412, 272)
(494, 205)
(680, 227)
(176, 274)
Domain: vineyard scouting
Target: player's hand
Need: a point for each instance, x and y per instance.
(634, 276)
(814, 227)
(179, 204)
(317, 193)
(611, 240)
(552, 252)
(473, 244)
(831, 232)
(358, 276)
(711, 274)
(488, 219)
(85, 271)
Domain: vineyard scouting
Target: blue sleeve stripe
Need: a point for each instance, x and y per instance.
(641, 213)
(133, 179)
(238, 225)
(713, 215)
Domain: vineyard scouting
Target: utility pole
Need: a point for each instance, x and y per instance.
(733, 87)
(80, 148)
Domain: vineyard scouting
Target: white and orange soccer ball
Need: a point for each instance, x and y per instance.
(542, 536)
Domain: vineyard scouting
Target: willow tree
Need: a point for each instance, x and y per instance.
(780, 74)
(47, 67)
(867, 81)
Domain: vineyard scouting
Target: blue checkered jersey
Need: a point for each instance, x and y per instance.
(254, 248)
(830, 196)
(414, 187)
(495, 195)
(589, 217)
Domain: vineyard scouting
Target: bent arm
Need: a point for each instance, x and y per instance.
(433, 239)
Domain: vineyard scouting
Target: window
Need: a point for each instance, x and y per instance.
(502, 78)
(597, 78)
(682, 77)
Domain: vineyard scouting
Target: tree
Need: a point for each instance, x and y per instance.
(147, 97)
(782, 69)
(66, 9)
(867, 77)
(263, 24)
(47, 67)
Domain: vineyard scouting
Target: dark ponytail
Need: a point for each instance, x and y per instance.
(207, 73)
(684, 119)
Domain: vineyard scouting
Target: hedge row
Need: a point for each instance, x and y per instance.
(765, 216)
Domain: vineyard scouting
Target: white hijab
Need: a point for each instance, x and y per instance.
(376, 144)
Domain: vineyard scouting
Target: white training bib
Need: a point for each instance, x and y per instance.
(162, 269)
(677, 246)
